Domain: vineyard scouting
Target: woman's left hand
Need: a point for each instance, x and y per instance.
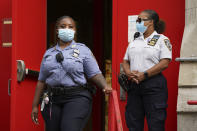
(107, 89)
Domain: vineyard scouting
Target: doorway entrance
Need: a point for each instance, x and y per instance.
(94, 29)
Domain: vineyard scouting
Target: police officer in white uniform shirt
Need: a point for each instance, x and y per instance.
(146, 57)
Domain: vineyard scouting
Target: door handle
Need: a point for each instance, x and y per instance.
(22, 71)
(33, 73)
(9, 87)
(187, 59)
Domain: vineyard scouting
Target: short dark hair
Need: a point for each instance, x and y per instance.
(63, 17)
(159, 25)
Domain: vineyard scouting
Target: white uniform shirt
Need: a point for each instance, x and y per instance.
(143, 56)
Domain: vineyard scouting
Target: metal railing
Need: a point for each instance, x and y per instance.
(187, 59)
(192, 102)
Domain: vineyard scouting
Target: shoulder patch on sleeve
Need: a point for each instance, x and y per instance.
(168, 44)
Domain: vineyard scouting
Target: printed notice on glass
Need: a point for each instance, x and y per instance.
(131, 27)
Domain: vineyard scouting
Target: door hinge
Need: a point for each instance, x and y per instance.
(9, 87)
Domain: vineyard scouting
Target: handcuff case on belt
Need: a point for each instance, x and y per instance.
(123, 81)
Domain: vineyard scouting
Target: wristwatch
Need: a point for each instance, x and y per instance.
(146, 75)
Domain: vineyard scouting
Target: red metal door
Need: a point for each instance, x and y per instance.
(173, 13)
(5, 66)
(29, 44)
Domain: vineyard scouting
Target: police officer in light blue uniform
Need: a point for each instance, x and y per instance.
(66, 106)
(146, 57)
(77, 60)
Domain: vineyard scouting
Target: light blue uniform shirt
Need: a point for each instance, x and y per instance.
(78, 62)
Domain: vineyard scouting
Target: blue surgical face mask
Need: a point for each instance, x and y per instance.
(140, 27)
(66, 35)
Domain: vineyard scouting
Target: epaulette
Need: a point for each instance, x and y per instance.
(51, 48)
(80, 44)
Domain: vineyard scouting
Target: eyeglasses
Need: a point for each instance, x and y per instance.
(139, 20)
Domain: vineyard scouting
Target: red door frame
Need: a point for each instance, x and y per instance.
(29, 45)
(173, 12)
(5, 66)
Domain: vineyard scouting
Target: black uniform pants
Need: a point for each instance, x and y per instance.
(149, 99)
(68, 113)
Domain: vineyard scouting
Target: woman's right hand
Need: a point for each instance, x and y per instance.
(34, 115)
(39, 89)
(132, 75)
(107, 89)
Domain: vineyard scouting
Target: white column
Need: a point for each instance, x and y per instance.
(187, 114)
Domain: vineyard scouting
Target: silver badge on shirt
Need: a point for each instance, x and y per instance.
(76, 53)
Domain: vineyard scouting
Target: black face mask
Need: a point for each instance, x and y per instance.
(59, 57)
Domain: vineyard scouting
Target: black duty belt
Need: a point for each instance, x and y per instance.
(61, 90)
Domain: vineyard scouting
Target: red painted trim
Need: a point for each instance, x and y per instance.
(192, 102)
(5, 66)
(117, 111)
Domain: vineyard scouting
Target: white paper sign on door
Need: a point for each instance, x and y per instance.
(131, 27)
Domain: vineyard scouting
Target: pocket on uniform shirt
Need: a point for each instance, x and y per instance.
(74, 64)
(50, 63)
(151, 54)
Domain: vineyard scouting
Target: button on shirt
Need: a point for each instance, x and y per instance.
(78, 61)
(143, 56)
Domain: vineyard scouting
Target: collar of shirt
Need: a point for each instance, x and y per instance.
(57, 47)
(148, 38)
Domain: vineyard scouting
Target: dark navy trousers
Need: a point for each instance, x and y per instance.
(147, 99)
(68, 113)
